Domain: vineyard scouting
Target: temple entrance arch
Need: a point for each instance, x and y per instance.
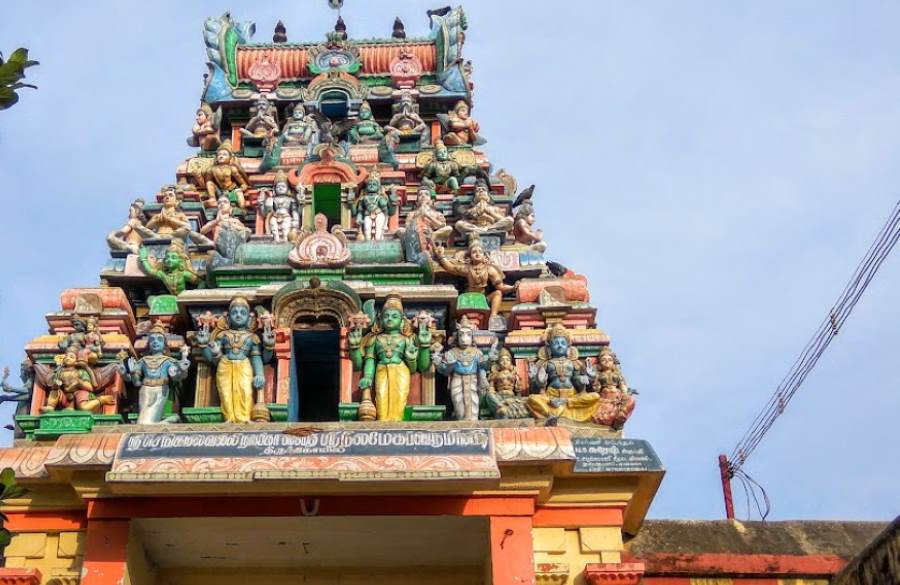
(313, 369)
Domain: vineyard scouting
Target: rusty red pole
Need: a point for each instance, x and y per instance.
(726, 486)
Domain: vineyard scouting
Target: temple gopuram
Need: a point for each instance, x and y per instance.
(330, 350)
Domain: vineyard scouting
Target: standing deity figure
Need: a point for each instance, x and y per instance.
(237, 353)
(616, 400)
(479, 272)
(466, 367)
(225, 177)
(171, 222)
(483, 216)
(279, 207)
(373, 207)
(504, 398)
(75, 386)
(175, 270)
(559, 380)
(387, 356)
(205, 132)
(366, 130)
(459, 128)
(130, 236)
(152, 374)
(300, 129)
(84, 340)
(263, 123)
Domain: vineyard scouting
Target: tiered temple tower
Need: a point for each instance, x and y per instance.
(332, 348)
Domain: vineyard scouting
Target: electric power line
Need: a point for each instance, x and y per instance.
(830, 327)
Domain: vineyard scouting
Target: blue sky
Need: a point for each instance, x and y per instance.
(716, 170)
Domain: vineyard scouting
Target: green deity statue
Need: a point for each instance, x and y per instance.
(175, 270)
(387, 356)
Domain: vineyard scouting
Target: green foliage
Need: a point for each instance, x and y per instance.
(9, 491)
(12, 72)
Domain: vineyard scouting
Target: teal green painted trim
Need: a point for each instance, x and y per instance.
(202, 415)
(348, 411)
(421, 413)
(278, 412)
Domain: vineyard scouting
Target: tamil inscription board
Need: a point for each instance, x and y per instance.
(342, 454)
(601, 455)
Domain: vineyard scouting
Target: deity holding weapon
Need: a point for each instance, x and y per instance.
(280, 210)
(387, 356)
(175, 270)
(560, 380)
(153, 373)
(21, 396)
(130, 236)
(373, 206)
(504, 398)
(225, 178)
(466, 367)
(205, 132)
(616, 399)
(237, 353)
(479, 272)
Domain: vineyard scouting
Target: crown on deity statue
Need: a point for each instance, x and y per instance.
(393, 301)
(226, 145)
(557, 330)
(158, 327)
(239, 301)
(281, 177)
(475, 243)
(465, 324)
(177, 246)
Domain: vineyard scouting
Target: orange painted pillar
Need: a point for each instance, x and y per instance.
(347, 383)
(283, 364)
(104, 552)
(512, 550)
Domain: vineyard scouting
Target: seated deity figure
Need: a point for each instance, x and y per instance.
(483, 216)
(205, 132)
(373, 207)
(443, 170)
(504, 398)
(130, 236)
(524, 231)
(466, 367)
(237, 353)
(280, 209)
(616, 400)
(171, 222)
(406, 119)
(224, 220)
(479, 272)
(152, 374)
(301, 129)
(85, 340)
(459, 128)
(366, 130)
(263, 123)
(387, 355)
(75, 386)
(560, 380)
(427, 219)
(225, 177)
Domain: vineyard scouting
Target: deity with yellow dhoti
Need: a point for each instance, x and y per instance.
(388, 355)
(559, 380)
(237, 353)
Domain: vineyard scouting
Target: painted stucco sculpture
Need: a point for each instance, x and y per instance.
(237, 353)
(373, 206)
(466, 367)
(226, 177)
(280, 209)
(175, 270)
(387, 355)
(205, 132)
(152, 374)
(478, 270)
(504, 397)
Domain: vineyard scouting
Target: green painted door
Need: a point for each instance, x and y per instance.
(327, 200)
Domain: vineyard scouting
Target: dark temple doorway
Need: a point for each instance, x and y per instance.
(316, 373)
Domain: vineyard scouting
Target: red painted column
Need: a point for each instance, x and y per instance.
(283, 364)
(512, 550)
(104, 552)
